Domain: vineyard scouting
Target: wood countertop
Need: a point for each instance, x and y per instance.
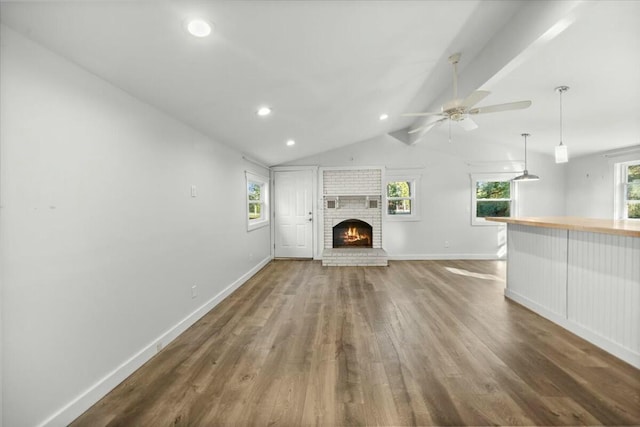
(594, 225)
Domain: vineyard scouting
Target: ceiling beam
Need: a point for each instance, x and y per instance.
(534, 24)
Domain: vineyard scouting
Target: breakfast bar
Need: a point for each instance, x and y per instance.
(581, 273)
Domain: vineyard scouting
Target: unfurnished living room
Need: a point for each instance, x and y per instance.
(328, 213)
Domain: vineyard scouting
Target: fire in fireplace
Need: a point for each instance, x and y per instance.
(352, 233)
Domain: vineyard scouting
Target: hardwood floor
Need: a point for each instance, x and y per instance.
(416, 343)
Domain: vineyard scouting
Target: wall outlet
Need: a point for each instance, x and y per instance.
(194, 191)
(446, 244)
(194, 291)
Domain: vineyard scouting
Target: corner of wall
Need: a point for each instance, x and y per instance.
(85, 400)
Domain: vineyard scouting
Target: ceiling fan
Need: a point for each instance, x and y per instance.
(458, 109)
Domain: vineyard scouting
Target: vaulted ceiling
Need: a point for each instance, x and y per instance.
(329, 69)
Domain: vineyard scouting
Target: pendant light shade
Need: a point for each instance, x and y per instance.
(562, 153)
(526, 176)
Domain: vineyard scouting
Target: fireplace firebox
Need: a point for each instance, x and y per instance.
(352, 233)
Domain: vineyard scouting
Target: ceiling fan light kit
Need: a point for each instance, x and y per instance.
(526, 176)
(562, 153)
(459, 109)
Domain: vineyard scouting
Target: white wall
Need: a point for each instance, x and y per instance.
(445, 194)
(1, 267)
(590, 183)
(101, 241)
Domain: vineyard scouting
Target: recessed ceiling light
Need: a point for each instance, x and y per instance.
(384, 116)
(291, 142)
(264, 111)
(199, 28)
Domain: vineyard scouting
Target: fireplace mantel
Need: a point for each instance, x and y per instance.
(366, 201)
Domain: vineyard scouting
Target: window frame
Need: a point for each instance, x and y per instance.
(413, 181)
(263, 182)
(513, 191)
(622, 183)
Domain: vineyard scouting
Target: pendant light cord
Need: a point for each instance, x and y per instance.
(525, 152)
(526, 176)
(561, 90)
(561, 116)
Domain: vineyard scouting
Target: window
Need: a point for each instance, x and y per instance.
(628, 206)
(401, 200)
(491, 196)
(257, 201)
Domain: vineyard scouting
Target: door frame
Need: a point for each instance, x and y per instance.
(314, 205)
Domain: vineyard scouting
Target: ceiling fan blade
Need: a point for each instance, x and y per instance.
(467, 124)
(426, 128)
(474, 98)
(420, 114)
(418, 129)
(501, 107)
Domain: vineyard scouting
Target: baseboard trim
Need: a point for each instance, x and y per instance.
(434, 257)
(623, 353)
(89, 397)
(558, 318)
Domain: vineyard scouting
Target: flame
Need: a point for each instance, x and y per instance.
(353, 235)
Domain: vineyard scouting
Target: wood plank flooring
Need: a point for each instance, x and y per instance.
(415, 343)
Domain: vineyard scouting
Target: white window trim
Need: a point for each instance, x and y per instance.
(254, 224)
(480, 221)
(414, 182)
(620, 194)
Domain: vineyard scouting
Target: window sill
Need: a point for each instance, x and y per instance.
(402, 218)
(256, 225)
(481, 222)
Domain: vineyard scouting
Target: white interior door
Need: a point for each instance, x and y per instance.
(293, 192)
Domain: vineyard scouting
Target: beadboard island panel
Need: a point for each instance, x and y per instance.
(581, 273)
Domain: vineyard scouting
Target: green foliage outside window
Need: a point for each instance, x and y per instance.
(633, 210)
(633, 191)
(493, 190)
(633, 183)
(399, 207)
(253, 193)
(487, 190)
(399, 189)
(399, 195)
(497, 208)
(254, 210)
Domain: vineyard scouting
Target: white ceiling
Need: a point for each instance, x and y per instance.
(330, 68)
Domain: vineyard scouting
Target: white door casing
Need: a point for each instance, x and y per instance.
(293, 208)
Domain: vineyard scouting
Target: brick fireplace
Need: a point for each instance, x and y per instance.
(353, 218)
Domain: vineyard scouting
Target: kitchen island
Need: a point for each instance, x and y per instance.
(581, 273)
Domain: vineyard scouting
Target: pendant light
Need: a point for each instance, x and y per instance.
(526, 176)
(562, 154)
